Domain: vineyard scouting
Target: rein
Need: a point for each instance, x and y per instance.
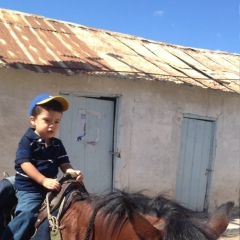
(54, 221)
(90, 226)
(70, 189)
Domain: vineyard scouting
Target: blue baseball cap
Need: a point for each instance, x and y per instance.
(44, 98)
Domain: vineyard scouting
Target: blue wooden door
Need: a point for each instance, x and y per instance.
(87, 133)
(195, 162)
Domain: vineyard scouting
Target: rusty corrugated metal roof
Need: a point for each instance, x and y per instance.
(46, 45)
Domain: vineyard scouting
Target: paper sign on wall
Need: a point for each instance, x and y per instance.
(88, 129)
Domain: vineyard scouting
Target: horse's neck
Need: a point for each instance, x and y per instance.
(80, 214)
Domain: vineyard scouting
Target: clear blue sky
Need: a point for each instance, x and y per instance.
(207, 24)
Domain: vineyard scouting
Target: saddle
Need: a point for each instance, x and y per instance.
(71, 191)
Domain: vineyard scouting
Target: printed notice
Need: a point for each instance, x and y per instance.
(88, 129)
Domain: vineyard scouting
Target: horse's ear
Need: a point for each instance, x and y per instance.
(143, 228)
(219, 221)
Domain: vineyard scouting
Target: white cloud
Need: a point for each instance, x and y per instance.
(159, 13)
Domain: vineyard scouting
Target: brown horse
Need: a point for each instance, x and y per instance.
(133, 216)
(125, 216)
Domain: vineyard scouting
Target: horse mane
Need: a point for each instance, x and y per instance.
(180, 222)
(111, 205)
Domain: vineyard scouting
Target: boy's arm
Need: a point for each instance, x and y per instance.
(34, 174)
(67, 168)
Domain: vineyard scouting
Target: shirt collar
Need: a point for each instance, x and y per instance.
(33, 136)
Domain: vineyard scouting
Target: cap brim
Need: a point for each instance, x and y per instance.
(62, 100)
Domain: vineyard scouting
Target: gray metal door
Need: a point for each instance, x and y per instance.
(87, 134)
(195, 162)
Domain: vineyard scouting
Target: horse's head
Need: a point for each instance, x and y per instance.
(213, 227)
(142, 227)
(219, 221)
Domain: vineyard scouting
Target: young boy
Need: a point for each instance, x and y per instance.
(38, 157)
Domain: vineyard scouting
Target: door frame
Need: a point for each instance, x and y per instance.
(117, 98)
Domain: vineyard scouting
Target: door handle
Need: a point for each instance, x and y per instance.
(208, 170)
(117, 153)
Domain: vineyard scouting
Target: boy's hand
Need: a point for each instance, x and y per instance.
(79, 175)
(33, 173)
(51, 184)
(76, 173)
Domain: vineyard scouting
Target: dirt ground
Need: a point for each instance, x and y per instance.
(233, 230)
(233, 237)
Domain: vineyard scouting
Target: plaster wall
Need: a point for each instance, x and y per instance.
(149, 127)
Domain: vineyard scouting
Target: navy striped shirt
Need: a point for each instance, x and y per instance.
(47, 160)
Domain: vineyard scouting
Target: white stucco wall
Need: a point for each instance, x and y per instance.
(149, 127)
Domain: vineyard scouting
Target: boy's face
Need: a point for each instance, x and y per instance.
(46, 123)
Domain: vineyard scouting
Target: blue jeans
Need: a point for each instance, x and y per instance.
(25, 215)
